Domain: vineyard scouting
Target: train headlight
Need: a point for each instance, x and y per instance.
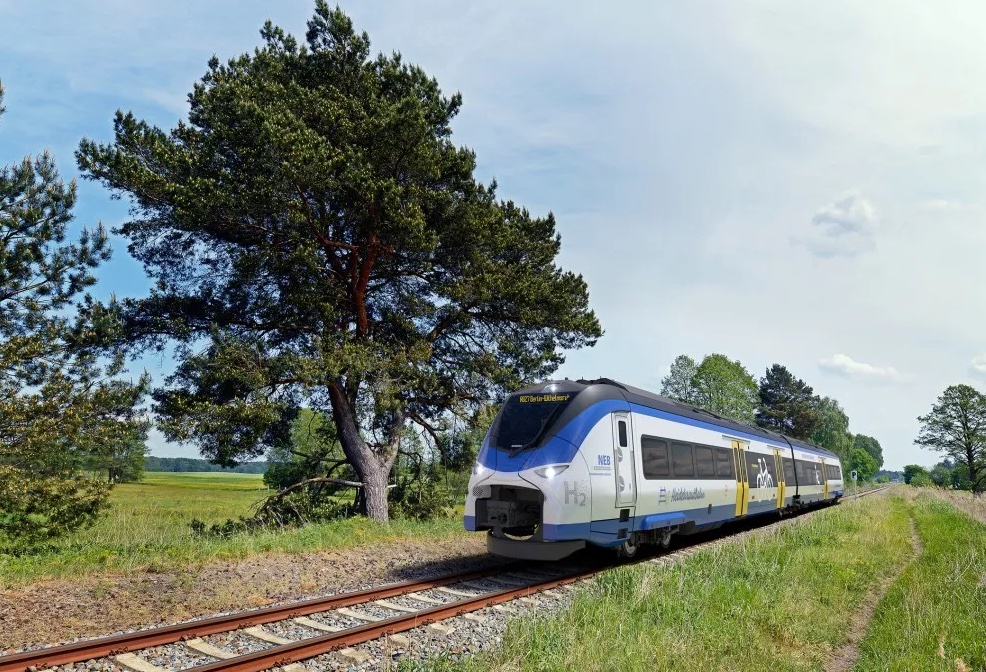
(552, 471)
(478, 469)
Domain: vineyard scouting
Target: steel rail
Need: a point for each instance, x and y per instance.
(29, 661)
(285, 654)
(143, 639)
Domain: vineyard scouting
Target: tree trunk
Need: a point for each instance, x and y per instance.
(375, 496)
(371, 469)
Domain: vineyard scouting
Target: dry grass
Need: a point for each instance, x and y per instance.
(961, 499)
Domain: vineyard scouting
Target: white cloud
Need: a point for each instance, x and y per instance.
(978, 366)
(843, 365)
(844, 227)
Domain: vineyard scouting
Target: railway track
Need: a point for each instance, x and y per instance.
(384, 611)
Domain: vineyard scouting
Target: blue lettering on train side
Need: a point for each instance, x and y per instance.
(605, 460)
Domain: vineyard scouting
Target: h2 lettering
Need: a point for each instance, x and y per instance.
(578, 497)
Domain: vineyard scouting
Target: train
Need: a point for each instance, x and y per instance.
(570, 464)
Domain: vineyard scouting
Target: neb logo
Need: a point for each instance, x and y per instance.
(604, 460)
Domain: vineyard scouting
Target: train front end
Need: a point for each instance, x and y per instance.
(530, 485)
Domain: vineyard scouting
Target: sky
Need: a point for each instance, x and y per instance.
(794, 182)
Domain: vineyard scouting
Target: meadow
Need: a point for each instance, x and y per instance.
(782, 601)
(148, 528)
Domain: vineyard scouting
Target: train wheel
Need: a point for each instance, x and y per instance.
(665, 540)
(627, 549)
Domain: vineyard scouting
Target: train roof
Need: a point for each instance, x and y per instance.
(601, 389)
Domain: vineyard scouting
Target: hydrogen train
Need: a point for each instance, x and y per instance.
(570, 463)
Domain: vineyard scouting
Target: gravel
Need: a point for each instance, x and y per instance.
(238, 642)
(175, 657)
(63, 611)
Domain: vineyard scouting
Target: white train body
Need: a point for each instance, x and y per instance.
(570, 463)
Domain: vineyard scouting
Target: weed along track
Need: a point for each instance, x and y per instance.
(288, 634)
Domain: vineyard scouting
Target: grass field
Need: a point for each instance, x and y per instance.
(785, 601)
(933, 617)
(148, 528)
(777, 602)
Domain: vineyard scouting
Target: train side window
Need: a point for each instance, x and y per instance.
(622, 425)
(654, 458)
(789, 470)
(681, 458)
(724, 463)
(705, 466)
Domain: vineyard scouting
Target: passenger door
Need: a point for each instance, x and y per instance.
(626, 486)
(779, 468)
(742, 484)
(825, 480)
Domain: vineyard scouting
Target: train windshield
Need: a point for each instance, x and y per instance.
(526, 418)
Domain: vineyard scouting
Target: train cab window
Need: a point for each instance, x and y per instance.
(654, 458)
(622, 428)
(724, 463)
(682, 461)
(705, 466)
(789, 470)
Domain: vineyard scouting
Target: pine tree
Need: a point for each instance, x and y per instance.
(787, 404)
(58, 403)
(314, 224)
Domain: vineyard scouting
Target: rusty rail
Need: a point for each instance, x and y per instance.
(286, 654)
(29, 661)
(143, 639)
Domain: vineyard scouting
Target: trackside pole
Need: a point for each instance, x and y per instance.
(855, 486)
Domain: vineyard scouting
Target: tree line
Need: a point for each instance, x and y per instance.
(187, 464)
(779, 401)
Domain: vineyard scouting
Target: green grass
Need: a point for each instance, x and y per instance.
(777, 602)
(935, 614)
(147, 527)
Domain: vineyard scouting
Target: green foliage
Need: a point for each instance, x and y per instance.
(34, 510)
(59, 405)
(787, 404)
(678, 383)
(922, 480)
(956, 426)
(863, 463)
(832, 431)
(725, 387)
(912, 470)
(947, 474)
(122, 461)
(314, 224)
(312, 451)
(871, 446)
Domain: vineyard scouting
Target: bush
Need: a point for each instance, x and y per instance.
(35, 509)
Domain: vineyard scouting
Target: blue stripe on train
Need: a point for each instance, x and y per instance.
(562, 447)
(604, 532)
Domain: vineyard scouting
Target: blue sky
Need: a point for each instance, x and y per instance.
(781, 182)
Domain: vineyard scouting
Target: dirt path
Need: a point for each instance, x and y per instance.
(56, 611)
(844, 658)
